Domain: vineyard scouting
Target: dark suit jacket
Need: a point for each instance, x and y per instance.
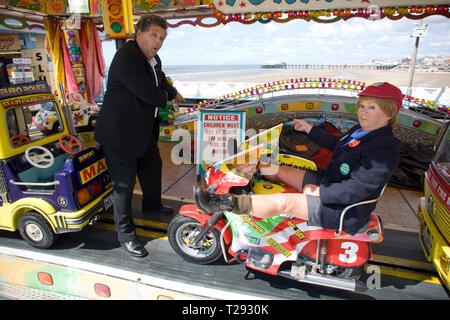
(127, 117)
(354, 174)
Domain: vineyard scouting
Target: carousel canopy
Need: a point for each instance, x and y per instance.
(209, 13)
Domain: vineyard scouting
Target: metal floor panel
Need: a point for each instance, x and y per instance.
(97, 248)
(13, 292)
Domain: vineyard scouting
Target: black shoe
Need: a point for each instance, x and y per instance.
(209, 202)
(134, 248)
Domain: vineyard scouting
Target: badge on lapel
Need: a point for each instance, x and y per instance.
(344, 168)
(354, 143)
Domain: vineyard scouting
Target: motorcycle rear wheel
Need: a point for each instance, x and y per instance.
(181, 232)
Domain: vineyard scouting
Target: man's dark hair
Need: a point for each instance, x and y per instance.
(147, 20)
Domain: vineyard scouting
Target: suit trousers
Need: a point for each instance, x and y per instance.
(123, 169)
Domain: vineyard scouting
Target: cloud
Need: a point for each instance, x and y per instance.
(218, 29)
(298, 41)
(324, 30)
(441, 44)
(352, 31)
(174, 34)
(271, 27)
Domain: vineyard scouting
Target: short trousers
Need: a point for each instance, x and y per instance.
(313, 202)
(312, 177)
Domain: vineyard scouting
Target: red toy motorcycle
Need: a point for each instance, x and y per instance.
(280, 245)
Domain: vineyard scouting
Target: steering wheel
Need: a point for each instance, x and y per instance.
(70, 144)
(43, 160)
(19, 139)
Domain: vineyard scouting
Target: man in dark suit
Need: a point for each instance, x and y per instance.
(128, 126)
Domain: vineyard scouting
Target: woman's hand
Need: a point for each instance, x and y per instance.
(311, 190)
(302, 125)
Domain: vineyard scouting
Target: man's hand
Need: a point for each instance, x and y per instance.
(178, 99)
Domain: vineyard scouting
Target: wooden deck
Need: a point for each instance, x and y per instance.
(397, 207)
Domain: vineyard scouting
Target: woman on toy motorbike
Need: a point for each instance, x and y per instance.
(363, 161)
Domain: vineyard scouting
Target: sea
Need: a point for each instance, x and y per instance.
(182, 74)
(192, 73)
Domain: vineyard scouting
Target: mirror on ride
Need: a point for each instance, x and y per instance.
(32, 122)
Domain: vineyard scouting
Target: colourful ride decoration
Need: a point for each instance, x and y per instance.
(256, 101)
(242, 11)
(72, 41)
(309, 83)
(370, 8)
(117, 19)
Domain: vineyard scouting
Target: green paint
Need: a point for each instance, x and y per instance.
(350, 108)
(65, 281)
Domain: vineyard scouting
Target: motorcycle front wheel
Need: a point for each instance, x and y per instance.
(182, 231)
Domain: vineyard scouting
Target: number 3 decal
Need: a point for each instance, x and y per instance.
(349, 255)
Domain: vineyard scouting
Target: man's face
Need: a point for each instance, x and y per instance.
(151, 40)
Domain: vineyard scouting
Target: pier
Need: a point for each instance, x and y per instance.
(329, 66)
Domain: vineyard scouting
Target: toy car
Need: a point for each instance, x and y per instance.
(49, 184)
(84, 114)
(46, 119)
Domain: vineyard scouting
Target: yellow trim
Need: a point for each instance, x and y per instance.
(404, 262)
(436, 240)
(259, 188)
(409, 275)
(11, 212)
(139, 232)
(80, 213)
(143, 222)
(295, 161)
(23, 100)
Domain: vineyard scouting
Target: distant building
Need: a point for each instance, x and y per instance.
(274, 65)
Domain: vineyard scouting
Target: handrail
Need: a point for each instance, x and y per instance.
(40, 184)
(341, 221)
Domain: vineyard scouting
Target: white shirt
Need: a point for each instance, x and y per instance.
(153, 63)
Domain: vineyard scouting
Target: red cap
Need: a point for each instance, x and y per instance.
(384, 90)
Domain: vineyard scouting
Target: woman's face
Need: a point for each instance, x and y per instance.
(370, 115)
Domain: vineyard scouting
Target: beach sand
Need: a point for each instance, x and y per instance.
(396, 77)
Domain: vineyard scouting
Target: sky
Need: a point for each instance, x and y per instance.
(353, 41)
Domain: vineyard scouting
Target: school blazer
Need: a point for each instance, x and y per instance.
(355, 173)
(127, 118)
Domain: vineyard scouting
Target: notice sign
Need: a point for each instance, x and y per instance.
(218, 132)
